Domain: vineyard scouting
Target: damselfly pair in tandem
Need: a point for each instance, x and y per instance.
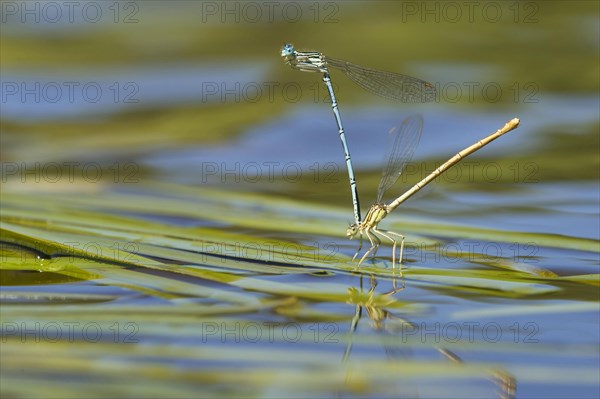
(403, 140)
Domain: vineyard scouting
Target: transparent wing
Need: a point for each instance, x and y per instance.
(402, 142)
(386, 84)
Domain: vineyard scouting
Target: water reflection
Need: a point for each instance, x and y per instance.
(384, 321)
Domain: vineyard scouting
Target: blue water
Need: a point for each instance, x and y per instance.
(36, 94)
(303, 138)
(311, 132)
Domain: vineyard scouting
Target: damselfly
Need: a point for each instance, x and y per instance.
(404, 140)
(386, 84)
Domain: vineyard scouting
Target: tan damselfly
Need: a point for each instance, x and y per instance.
(403, 141)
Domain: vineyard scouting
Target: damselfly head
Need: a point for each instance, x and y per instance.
(352, 230)
(288, 52)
